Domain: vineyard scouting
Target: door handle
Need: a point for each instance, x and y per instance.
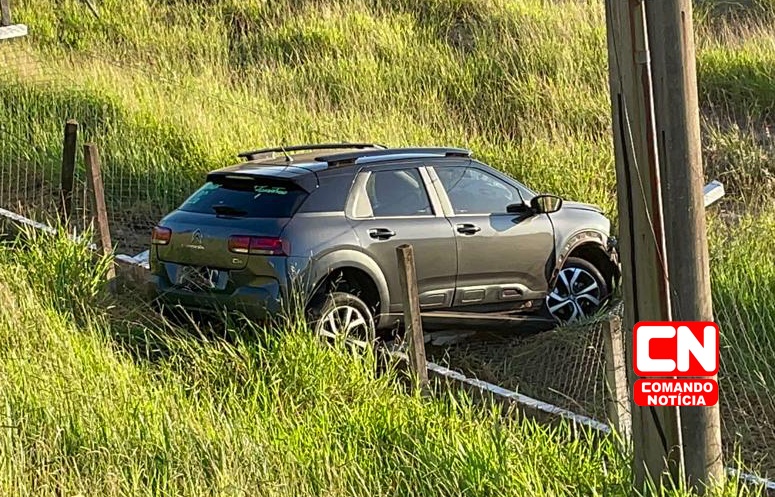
(381, 233)
(468, 229)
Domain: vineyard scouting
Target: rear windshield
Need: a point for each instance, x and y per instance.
(249, 197)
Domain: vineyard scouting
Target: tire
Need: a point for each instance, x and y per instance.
(329, 313)
(580, 290)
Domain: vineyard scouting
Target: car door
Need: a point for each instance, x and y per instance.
(391, 206)
(502, 257)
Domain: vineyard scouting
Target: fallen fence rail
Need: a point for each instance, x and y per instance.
(40, 226)
(712, 193)
(27, 221)
(8, 30)
(534, 407)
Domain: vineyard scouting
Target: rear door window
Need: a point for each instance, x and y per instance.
(246, 197)
(398, 193)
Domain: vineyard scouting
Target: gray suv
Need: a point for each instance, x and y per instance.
(324, 221)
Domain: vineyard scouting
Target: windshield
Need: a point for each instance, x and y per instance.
(246, 197)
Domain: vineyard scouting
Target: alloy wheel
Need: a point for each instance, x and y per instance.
(345, 322)
(577, 294)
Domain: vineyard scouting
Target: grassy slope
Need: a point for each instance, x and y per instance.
(171, 88)
(93, 405)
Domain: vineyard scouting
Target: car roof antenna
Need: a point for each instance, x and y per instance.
(288, 158)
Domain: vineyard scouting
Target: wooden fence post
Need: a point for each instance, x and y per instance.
(97, 199)
(618, 397)
(412, 319)
(5, 13)
(68, 169)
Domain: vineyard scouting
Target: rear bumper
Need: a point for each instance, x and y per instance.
(256, 303)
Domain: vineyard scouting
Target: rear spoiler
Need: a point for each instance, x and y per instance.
(307, 182)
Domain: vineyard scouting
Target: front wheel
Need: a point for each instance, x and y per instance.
(579, 292)
(343, 316)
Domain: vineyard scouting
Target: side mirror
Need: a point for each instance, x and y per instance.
(545, 204)
(518, 208)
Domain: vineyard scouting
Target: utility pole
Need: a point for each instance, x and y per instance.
(671, 37)
(656, 434)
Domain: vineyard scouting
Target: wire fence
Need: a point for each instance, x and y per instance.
(144, 180)
(31, 153)
(566, 367)
(29, 183)
(746, 386)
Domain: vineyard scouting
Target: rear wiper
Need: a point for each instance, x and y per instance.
(227, 210)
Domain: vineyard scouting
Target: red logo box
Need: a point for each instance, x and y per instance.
(663, 392)
(676, 348)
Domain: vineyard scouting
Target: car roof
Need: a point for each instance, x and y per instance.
(279, 162)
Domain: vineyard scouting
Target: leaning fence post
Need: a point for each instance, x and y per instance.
(97, 199)
(412, 318)
(68, 169)
(618, 398)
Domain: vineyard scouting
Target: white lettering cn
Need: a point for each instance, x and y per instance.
(644, 360)
(705, 352)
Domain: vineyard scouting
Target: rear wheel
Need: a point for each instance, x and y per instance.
(579, 292)
(343, 316)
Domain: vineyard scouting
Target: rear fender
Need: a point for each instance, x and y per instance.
(319, 269)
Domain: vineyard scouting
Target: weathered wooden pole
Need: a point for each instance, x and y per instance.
(656, 435)
(618, 398)
(5, 13)
(671, 36)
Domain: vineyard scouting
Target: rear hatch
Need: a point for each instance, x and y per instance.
(231, 221)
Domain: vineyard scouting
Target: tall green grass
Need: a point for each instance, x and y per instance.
(743, 273)
(108, 406)
(171, 89)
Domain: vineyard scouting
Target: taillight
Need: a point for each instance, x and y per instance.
(161, 236)
(259, 245)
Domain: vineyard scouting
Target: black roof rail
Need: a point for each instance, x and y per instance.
(251, 155)
(419, 152)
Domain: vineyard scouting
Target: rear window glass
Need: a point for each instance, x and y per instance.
(246, 198)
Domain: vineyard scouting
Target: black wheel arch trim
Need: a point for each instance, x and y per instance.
(605, 243)
(331, 263)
